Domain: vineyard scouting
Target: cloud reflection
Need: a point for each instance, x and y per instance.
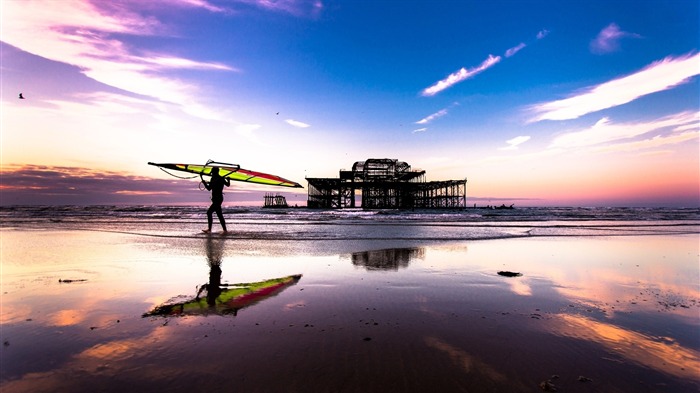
(660, 353)
(462, 359)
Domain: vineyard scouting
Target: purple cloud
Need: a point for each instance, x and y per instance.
(512, 51)
(608, 40)
(55, 185)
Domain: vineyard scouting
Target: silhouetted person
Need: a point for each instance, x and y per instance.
(216, 186)
(21, 97)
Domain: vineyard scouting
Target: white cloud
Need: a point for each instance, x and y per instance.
(465, 73)
(605, 131)
(296, 123)
(608, 40)
(294, 7)
(202, 4)
(177, 62)
(608, 137)
(88, 35)
(510, 52)
(651, 143)
(515, 142)
(460, 76)
(247, 131)
(428, 119)
(420, 130)
(658, 76)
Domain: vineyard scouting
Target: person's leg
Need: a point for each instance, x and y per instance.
(220, 214)
(210, 219)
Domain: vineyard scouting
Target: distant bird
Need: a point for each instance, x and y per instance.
(278, 113)
(21, 97)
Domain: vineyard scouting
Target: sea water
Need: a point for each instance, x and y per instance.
(601, 300)
(345, 224)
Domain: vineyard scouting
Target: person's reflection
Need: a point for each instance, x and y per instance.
(222, 298)
(215, 251)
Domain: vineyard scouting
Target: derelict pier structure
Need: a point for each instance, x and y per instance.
(385, 184)
(275, 200)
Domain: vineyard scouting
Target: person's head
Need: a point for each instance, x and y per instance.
(215, 172)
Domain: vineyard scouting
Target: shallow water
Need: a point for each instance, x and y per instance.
(404, 311)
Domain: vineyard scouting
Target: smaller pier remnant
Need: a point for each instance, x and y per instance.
(275, 200)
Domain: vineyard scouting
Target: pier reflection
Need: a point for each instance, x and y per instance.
(388, 259)
(215, 297)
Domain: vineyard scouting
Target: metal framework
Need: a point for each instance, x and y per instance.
(275, 200)
(385, 184)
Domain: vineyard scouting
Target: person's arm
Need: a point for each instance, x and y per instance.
(206, 185)
(227, 181)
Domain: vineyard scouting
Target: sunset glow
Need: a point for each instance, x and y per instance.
(577, 103)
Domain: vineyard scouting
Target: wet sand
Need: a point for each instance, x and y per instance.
(612, 314)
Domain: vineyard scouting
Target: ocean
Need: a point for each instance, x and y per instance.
(137, 298)
(346, 224)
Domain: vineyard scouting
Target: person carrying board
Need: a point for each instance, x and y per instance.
(216, 186)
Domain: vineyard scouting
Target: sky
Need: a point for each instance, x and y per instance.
(535, 103)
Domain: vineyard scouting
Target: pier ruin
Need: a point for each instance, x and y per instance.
(385, 184)
(275, 200)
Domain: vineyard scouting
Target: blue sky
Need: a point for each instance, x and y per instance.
(534, 102)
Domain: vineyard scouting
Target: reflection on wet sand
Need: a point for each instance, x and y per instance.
(660, 353)
(620, 311)
(388, 259)
(223, 298)
(469, 364)
(93, 366)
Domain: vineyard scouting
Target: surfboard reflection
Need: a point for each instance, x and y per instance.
(215, 297)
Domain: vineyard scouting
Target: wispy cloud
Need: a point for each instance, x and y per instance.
(510, 52)
(417, 130)
(607, 136)
(608, 40)
(202, 4)
(515, 142)
(310, 8)
(461, 75)
(466, 73)
(428, 119)
(90, 35)
(542, 33)
(658, 76)
(298, 124)
(651, 143)
(605, 131)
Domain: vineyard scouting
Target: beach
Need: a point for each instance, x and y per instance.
(379, 302)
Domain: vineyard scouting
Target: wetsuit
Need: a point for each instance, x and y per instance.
(216, 186)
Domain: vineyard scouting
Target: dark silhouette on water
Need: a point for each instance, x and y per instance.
(21, 97)
(387, 259)
(216, 186)
(215, 252)
(506, 273)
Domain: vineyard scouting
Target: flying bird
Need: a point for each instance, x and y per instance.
(21, 97)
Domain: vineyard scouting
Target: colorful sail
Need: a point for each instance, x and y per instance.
(233, 172)
(228, 301)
